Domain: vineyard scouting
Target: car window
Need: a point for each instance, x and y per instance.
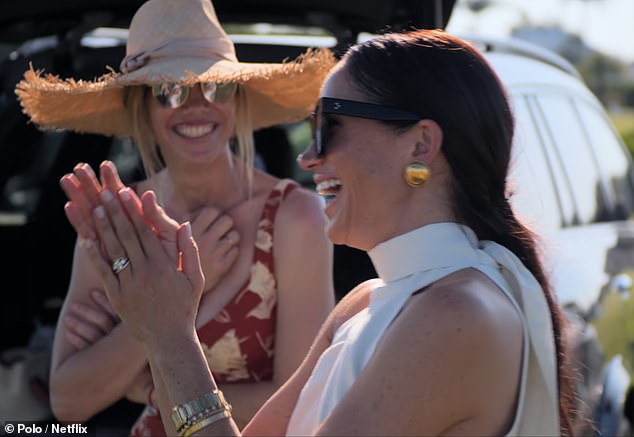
(575, 155)
(612, 158)
(561, 183)
(531, 180)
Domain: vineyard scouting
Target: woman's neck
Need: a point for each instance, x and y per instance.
(415, 210)
(185, 191)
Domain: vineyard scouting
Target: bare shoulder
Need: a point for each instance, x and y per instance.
(467, 301)
(454, 344)
(466, 322)
(302, 209)
(468, 287)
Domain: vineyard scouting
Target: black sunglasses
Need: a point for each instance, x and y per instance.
(351, 108)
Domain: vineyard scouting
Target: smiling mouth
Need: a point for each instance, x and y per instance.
(329, 188)
(194, 131)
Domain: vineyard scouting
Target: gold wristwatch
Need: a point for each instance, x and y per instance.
(193, 410)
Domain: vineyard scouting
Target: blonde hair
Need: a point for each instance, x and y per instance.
(243, 132)
(143, 134)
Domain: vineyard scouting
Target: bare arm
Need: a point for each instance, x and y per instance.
(86, 381)
(305, 296)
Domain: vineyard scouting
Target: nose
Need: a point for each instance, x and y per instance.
(195, 97)
(308, 159)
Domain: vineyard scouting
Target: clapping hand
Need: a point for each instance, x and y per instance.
(152, 294)
(217, 239)
(83, 189)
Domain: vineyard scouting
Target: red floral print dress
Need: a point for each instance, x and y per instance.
(239, 343)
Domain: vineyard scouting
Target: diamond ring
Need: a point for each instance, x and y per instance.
(119, 264)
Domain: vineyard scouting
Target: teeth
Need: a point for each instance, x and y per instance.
(196, 131)
(329, 186)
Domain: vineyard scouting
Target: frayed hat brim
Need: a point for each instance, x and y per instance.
(277, 93)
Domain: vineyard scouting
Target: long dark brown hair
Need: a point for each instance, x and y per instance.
(433, 73)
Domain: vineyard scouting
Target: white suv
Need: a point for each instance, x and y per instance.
(574, 185)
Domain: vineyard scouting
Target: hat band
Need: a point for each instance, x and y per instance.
(181, 48)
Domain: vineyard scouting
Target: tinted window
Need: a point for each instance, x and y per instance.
(561, 183)
(576, 156)
(612, 158)
(534, 196)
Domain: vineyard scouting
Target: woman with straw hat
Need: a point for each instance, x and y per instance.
(183, 97)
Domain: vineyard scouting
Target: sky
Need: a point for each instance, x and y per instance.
(605, 25)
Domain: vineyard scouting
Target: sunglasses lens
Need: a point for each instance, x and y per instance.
(315, 127)
(219, 92)
(170, 95)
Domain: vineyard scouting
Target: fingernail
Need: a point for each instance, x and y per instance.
(106, 196)
(78, 165)
(86, 243)
(124, 194)
(188, 229)
(100, 212)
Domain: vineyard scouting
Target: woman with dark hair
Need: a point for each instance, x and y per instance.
(459, 335)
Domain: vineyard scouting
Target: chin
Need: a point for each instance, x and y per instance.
(334, 233)
(340, 236)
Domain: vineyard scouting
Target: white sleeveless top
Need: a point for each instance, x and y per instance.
(406, 264)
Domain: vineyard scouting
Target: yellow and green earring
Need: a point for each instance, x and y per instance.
(416, 174)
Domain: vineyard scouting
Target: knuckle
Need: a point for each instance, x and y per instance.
(225, 221)
(145, 231)
(102, 218)
(212, 212)
(235, 236)
(207, 216)
(113, 208)
(126, 233)
(103, 321)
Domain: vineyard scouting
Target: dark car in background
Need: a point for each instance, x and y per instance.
(574, 181)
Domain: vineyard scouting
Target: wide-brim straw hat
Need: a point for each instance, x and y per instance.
(175, 41)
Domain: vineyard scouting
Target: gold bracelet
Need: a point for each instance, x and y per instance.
(197, 426)
(194, 410)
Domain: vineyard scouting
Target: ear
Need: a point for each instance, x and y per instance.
(428, 138)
